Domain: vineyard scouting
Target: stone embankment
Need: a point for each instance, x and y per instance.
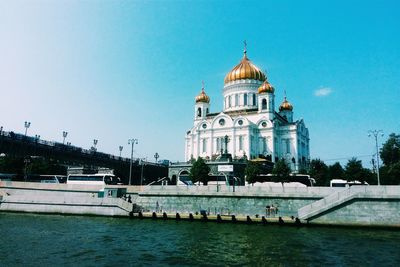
(360, 206)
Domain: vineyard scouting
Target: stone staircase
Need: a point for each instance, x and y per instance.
(333, 200)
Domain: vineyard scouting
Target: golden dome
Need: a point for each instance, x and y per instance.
(285, 105)
(202, 97)
(245, 70)
(266, 87)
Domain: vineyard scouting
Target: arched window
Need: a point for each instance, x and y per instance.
(264, 104)
(236, 100)
(199, 112)
(245, 99)
(240, 142)
(207, 111)
(229, 101)
(254, 99)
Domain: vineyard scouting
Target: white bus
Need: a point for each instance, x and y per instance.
(93, 179)
(344, 183)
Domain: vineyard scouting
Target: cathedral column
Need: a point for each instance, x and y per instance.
(211, 142)
(198, 144)
(233, 142)
(273, 144)
(249, 144)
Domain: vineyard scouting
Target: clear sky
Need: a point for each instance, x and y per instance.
(113, 70)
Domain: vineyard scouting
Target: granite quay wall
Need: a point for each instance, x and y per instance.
(59, 198)
(241, 200)
(361, 205)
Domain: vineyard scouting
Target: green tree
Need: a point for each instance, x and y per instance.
(319, 171)
(11, 165)
(252, 172)
(335, 171)
(281, 171)
(390, 175)
(199, 171)
(354, 171)
(390, 152)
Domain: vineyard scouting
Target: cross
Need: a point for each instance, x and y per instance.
(202, 82)
(245, 46)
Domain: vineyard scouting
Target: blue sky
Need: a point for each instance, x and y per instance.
(113, 70)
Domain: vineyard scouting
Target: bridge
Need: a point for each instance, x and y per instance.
(18, 145)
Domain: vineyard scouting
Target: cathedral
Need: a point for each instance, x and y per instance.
(249, 126)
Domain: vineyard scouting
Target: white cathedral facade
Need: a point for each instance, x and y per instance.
(249, 122)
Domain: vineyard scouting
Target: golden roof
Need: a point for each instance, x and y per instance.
(202, 97)
(266, 87)
(245, 70)
(285, 105)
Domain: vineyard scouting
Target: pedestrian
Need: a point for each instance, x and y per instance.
(129, 199)
(267, 210)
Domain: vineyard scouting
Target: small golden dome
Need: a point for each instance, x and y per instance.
(202, 97)
(266, 87)
(245, 70)
(285, 105)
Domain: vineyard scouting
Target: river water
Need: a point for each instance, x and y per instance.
(53, 240)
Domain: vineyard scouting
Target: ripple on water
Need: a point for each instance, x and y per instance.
(70, 240)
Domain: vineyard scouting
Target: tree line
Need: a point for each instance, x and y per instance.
(320, 171)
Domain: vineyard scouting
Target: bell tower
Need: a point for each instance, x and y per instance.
(202, 105)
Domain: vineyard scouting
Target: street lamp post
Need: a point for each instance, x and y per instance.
(131, 142)
(120, 150)
(375, 133)
(141, 174)
(95, 141)
(26, 161)
(64, 136)
(156, 156)
(27, 125)
(1, 130)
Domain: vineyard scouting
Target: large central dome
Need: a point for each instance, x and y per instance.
(245, 70)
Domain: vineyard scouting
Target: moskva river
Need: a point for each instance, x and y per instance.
(53, 240)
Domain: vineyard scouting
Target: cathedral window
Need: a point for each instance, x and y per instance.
(264, 104)
(221, 122)
(287, 145)
(264, 145)
(236, 100)
(204, 145)
(207, 111)
(264, 124)
(241, 142)
(229, 101)
(254, 99)
(199, 112)
(204, 126)
(240, 122)
(245, 99)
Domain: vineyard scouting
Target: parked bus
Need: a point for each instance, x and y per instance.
(93, 179)
(344, 183)
(46, 179)
(297, 178)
